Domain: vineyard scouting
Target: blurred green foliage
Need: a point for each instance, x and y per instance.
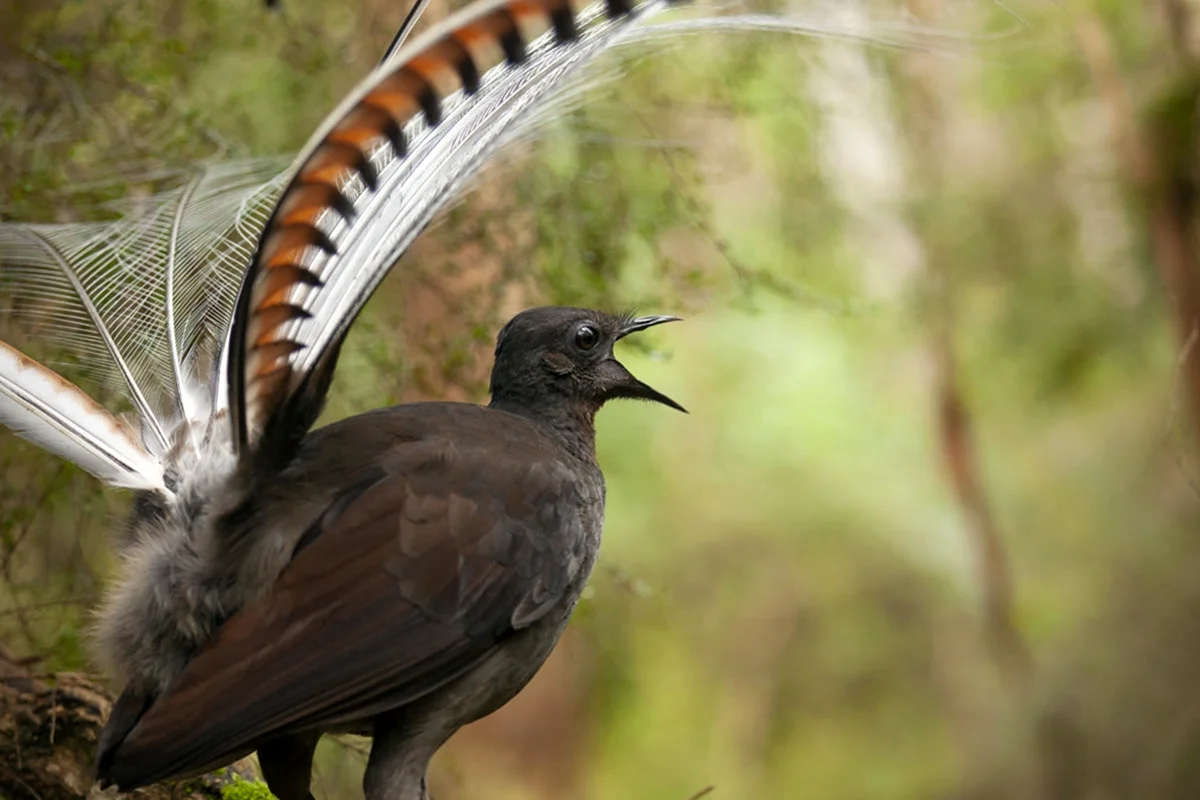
(246, 790)
(789, 600)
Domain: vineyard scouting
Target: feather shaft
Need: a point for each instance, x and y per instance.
(183, 395)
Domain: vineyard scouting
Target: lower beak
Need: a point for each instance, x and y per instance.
(640, 390)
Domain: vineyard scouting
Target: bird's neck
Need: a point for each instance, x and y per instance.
(572, 424)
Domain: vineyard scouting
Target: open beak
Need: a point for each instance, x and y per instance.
(633, 388)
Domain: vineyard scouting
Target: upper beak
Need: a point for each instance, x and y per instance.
(633, 387)
(641, 323)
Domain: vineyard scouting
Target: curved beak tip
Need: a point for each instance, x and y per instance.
(641, 323)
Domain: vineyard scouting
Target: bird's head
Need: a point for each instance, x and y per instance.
(564, 356)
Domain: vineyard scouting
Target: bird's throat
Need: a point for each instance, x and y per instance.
(571, 423)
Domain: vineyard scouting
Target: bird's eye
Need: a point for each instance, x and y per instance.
(586, 337)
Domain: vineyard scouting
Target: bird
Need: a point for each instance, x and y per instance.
(437, 551)
(220, 314)
(218, 310)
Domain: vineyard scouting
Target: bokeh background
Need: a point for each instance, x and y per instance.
(930, 529)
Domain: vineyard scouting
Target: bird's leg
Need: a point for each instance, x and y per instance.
(287, 765)
(398, 761)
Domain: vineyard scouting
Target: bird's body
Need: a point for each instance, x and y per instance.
(433, 555)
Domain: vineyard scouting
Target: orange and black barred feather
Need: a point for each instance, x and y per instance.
(341, 166)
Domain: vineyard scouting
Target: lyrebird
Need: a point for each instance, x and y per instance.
(399, 573)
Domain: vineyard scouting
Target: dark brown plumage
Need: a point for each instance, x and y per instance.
(449, 548)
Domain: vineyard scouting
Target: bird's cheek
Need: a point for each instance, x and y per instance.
(557, 364)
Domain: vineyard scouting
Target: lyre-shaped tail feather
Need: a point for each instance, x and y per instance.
(383, 164)
(55, 414)
(141, 303)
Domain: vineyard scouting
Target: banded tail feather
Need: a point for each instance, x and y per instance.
(179, 339)
(354, 203)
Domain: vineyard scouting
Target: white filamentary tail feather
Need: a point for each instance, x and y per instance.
(74, 279)
(143, 302)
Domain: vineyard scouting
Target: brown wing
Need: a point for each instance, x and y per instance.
(403, 588)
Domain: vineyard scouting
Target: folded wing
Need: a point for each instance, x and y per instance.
(401, 587)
